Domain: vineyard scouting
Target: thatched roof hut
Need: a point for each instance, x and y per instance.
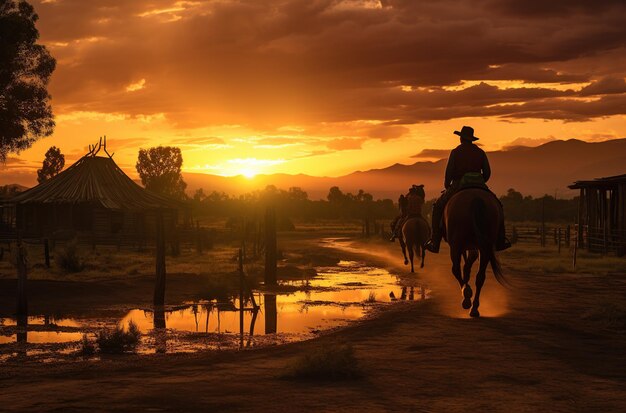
(93, 198)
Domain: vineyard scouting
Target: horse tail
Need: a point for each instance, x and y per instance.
(480, 223)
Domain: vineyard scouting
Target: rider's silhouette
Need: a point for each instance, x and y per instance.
(467, 162)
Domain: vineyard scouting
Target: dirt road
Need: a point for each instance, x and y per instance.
(534, 350)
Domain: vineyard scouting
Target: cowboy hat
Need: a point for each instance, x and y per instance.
(467, 132)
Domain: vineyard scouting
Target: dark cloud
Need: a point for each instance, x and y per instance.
(266, 64)
(606, 85)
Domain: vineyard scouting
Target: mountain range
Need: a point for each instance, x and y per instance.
(536, 171)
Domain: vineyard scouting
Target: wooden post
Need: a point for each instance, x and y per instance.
(159, 285)
(241, 290)
(568, 234)
(579, 228)
(46, 252)
(198, 238)
(21, 263)
(271, 316)
(270, 246)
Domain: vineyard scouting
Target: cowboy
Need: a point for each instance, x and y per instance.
(410, 207)
(467, 162)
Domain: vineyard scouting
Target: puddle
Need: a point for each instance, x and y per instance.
(334, 297)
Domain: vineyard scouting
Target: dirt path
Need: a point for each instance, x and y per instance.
(531, 352)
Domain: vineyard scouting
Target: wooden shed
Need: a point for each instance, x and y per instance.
(92, 199)
(602, 214)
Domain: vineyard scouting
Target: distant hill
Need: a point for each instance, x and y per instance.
(535, 171)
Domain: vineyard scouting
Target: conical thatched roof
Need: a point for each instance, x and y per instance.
(95, 179)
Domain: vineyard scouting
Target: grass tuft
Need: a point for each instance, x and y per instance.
(118, 340)
(87, 347)
(371, 298)
(330, 362)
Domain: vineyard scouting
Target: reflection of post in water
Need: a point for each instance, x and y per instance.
(271, 315)
(22, 328)
(207, 308)
(422, 292)
(411, 294)
(255, 312)
(160, 334)
(194, 310)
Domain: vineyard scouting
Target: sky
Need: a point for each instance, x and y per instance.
(326, 87)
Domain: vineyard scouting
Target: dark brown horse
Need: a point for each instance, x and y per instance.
(415, 233)
(471, 219)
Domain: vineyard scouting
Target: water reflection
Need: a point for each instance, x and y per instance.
(336, 296)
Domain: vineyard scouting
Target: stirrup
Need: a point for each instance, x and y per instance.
(432, 246)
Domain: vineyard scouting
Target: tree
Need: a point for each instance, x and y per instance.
(53, 163)
(199, 195)
(25, 70)
(160, 170)
(335, 196)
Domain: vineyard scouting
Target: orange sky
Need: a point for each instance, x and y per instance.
(326, 87)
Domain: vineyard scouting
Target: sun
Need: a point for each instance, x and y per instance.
(248, 173)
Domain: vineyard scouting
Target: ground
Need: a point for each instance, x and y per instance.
(554, 341)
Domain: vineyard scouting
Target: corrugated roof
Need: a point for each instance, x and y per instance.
(95, 179)
(608, 181)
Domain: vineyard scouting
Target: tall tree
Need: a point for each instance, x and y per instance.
(160, 170)
(53, 163)
(25, 70)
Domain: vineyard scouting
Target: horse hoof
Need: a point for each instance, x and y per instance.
(467, 297)
(406, 262)
(474, 313)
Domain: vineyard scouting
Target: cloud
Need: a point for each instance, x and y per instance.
(289, 62)
(342, 144)
(385, 133)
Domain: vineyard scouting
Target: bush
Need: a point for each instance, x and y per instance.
(332, 362)
(118, 341)
(68, 258)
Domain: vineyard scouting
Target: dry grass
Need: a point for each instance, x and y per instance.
(107, 263)
(547, 260)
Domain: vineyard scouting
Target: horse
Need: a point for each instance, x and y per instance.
(471, 219)
(415, 233)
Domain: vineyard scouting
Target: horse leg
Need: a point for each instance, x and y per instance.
(466, 290)
(423, 255)
(470, 259)
(410, 248)
(480, 280)
(403, 246)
